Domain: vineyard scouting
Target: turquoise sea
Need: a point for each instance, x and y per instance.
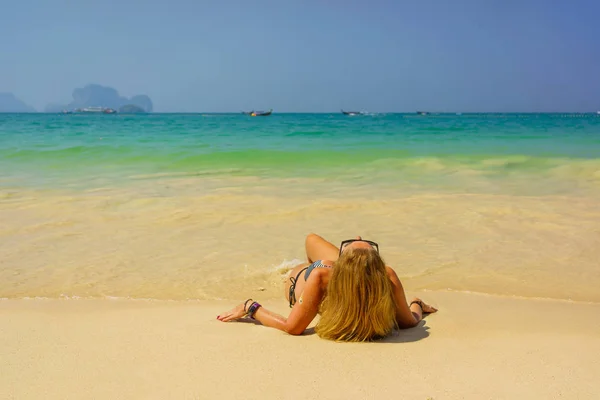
(109, 183)
(557, 152)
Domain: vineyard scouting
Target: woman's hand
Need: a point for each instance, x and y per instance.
(426, 307)
(236, 312)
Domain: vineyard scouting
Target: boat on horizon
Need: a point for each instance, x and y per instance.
(96, 110)
(423, 112)
(258, 113)
(351, 113)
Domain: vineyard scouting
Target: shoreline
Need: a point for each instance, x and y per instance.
(210, 246)
(476, 346)
(263, 294)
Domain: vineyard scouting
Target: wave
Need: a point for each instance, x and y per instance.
(324, 162)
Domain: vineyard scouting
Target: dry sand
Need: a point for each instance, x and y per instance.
(476, 347)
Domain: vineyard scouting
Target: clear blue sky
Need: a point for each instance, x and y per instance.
(462, 55)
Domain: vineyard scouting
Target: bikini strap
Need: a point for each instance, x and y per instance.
(292, 293)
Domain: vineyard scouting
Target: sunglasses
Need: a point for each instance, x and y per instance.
(346, 243)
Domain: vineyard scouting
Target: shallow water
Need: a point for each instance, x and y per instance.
(216, 206)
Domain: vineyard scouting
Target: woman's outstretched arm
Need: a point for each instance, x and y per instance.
(407, 316)
(302, 314)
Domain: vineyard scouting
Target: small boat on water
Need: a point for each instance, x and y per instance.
(351, 113)
(258, 113)
(96, 110)
(422, 112)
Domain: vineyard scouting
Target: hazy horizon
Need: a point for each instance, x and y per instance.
(430, 113)
(382, 56)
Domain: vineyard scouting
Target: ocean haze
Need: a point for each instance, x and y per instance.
(309, 56)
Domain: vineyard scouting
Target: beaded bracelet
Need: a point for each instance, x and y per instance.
(252, 309)
(419, 302)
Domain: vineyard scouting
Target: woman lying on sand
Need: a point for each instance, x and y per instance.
(358, 296)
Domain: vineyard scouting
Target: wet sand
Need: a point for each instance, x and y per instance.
(172, 242)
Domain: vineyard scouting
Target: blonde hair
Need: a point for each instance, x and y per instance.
(359, 304)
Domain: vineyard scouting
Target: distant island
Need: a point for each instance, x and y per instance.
(94, 95)
(131, 109)
(9, 103)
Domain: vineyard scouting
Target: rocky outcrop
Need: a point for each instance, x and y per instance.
(94, 95)
(9, 103)
(131, 109)
(143, 101)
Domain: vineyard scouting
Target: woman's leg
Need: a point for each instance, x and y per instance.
(318, 248)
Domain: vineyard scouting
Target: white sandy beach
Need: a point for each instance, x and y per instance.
(476, 347)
